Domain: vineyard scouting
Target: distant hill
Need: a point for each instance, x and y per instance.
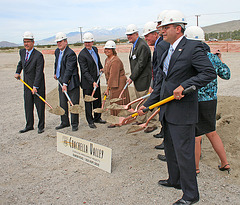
(223, 27)
(7, 44)
(101, 34)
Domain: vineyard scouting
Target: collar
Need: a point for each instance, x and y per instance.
(29, 52)
(175, 44)
(156, 41)
(135, 43)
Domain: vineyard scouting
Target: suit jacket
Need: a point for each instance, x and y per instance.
(32, 69)
(69, 69)
(88, 68)
(140, 64)
(161, 47)
(189, 65)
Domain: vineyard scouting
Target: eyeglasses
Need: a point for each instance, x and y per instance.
(165, 27)
(27, 41)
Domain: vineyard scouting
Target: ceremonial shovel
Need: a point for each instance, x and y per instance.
(136, 128)
(128, 119)
(126, 107)
(101, 110)
(120, 96)
(75, 109)
(56, 111)
(89, 98)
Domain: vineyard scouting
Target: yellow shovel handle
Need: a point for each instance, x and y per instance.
(35, 93)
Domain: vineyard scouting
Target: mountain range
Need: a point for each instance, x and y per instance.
(101, 34)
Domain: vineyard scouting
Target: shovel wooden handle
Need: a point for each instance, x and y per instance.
(35, 93)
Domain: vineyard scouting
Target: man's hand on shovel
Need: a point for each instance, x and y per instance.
(140, 111)
(177, 93)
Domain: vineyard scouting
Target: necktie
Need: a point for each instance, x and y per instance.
(95, 60)
(26, 59)
(59, 64)
(167, 59)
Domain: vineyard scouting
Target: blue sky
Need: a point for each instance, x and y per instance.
(47, 17)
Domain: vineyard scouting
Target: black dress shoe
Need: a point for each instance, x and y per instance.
(40, 131)
(74, 129)
(161, 146)
(162, 157)
(167, 184)
(100, 121)
(92, 126)
(159, 135)
(182, 201)
(61, 126)
(26, 130)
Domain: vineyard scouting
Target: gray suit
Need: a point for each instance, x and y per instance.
(140, 64)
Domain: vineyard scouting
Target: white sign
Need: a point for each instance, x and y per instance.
(89, 152)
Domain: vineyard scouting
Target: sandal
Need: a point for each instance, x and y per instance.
(224, 168)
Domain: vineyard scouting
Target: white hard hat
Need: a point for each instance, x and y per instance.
(88, 37)
(149, 27)
(131, 29)
(173, 17)
(28, 35)
(110, 44)
(194, 33)
(161, 16)
(60, 36)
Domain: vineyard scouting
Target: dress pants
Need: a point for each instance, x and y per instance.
(74, 96)
(89, 106)
(179, 147)
(29, 101)
(143, 118)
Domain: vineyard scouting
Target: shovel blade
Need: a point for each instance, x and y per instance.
(75, 109)
(57, 111)
(136, 128)
(89, 98)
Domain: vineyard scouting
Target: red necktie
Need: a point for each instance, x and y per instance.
(26, 59)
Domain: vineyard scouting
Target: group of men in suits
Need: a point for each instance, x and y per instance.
(67, 74)
(181, 64)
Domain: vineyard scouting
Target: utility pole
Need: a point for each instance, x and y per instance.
(197, 18)
(80, 34)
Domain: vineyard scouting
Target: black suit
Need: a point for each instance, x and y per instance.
(89, 75)
(188, 66)
(33, 75)
(69, 76)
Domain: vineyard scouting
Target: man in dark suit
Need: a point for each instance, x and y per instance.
(154, 38)
(66, 71)
(183, 65)
(90, 66)
(140, 64)
(32, 64)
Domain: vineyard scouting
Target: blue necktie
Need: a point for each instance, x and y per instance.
(167, 59)
(59, 64)
(95, 60)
